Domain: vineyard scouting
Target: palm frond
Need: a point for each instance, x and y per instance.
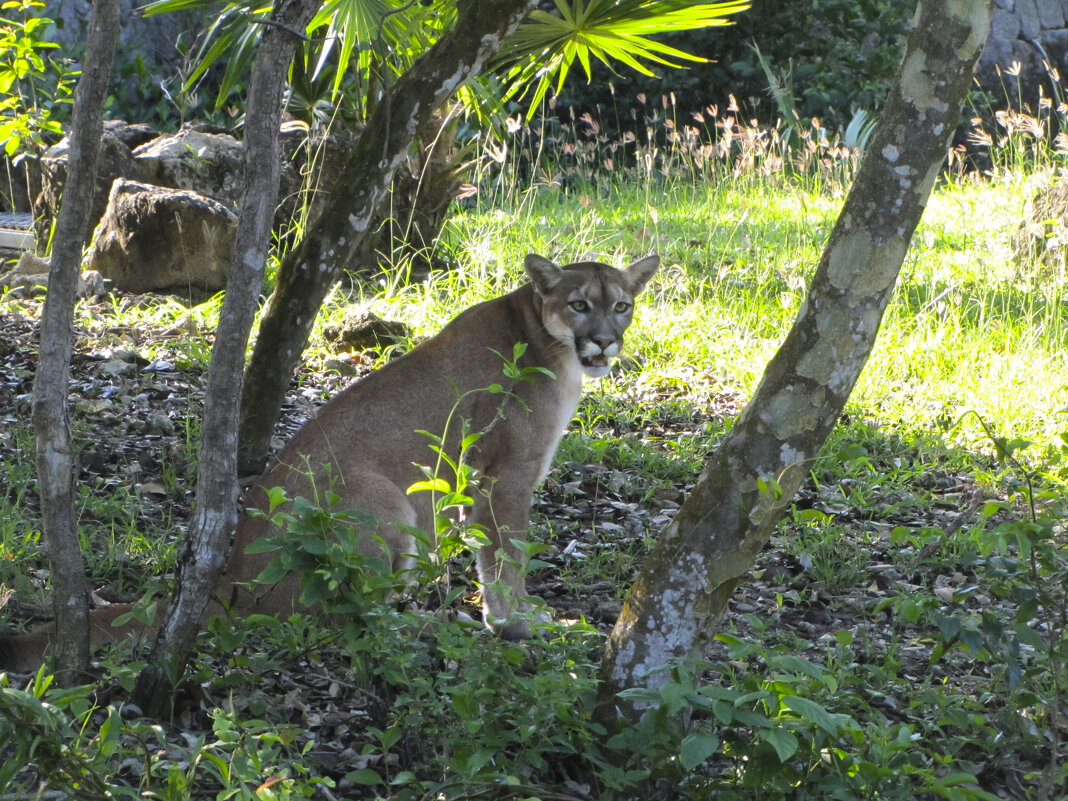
(547, 45)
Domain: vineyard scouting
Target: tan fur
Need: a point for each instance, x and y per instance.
(364, 444)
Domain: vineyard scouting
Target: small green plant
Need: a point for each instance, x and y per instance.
(54, 739)
(774, 725)
(824, 550)
(33, 87)
(321, 542)
(37, 733)
(450, 496)
(250, 760)
(1025, 562)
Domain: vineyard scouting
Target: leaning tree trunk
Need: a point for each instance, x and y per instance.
(55, 463)
(208, 542)
(423, 190)
(311, 268)
(681, 594)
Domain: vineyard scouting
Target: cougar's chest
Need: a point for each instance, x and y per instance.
(569, 390)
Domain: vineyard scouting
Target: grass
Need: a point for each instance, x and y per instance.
(904, 636)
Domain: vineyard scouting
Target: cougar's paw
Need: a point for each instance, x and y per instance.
(516, 630)
(522, 625)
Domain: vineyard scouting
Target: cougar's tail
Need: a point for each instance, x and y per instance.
(26, 652)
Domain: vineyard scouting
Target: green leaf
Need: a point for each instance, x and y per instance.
(991, 508)
(314, 546)
(814, 515)
(747, 717)
(795, 664)
(964, 781)
(784, 742)
(264, 545)
(851, 453)
(546, 45)
(431, 485)
(1028, 636)
(696, 748)
(390, 737)
(366, 776)
(949, 625)
(813, 712)
(404, 777)
(275, 497)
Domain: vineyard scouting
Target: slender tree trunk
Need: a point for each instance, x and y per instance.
(312, 267)
(681, 594)
(55, 462)
(217, 491)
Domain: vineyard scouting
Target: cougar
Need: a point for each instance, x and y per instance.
(365, 445)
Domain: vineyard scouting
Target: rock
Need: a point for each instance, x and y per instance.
(155, 239)
(1029, 34)
(341, 366)
(117, 368)
(363, 330)
(159, 424)
(116, 161)
(92, 284)
(29, 278)
(208, 163)
(1027, 13)
(1051, 14)
(131, 134)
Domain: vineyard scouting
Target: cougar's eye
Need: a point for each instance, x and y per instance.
(580, 306)
(621, 307)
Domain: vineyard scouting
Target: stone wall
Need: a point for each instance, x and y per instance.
(1033, 33)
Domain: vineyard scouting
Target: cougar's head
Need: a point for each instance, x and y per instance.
(587, 306)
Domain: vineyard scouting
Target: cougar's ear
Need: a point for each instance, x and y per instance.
(638, 273)
(544, 273)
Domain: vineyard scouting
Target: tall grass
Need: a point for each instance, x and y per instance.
(740, 219)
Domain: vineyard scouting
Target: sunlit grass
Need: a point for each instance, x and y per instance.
(970, 329)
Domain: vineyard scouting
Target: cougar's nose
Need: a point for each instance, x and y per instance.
(604, 343)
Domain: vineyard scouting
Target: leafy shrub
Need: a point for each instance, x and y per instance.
(836, 56)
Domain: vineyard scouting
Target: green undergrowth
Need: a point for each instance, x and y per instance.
(904, 636)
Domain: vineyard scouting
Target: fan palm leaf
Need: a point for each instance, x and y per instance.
(379, 39)
(546, 46)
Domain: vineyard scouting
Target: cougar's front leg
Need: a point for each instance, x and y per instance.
(503, 514)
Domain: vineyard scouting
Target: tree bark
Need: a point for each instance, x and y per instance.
(311, 268)
(208, 542)
(681, 593)
(55, 463)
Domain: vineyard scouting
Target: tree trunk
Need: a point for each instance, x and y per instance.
(422, 193)
(215, 518)
(55, 463)
(311, 268)
(681, 594)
